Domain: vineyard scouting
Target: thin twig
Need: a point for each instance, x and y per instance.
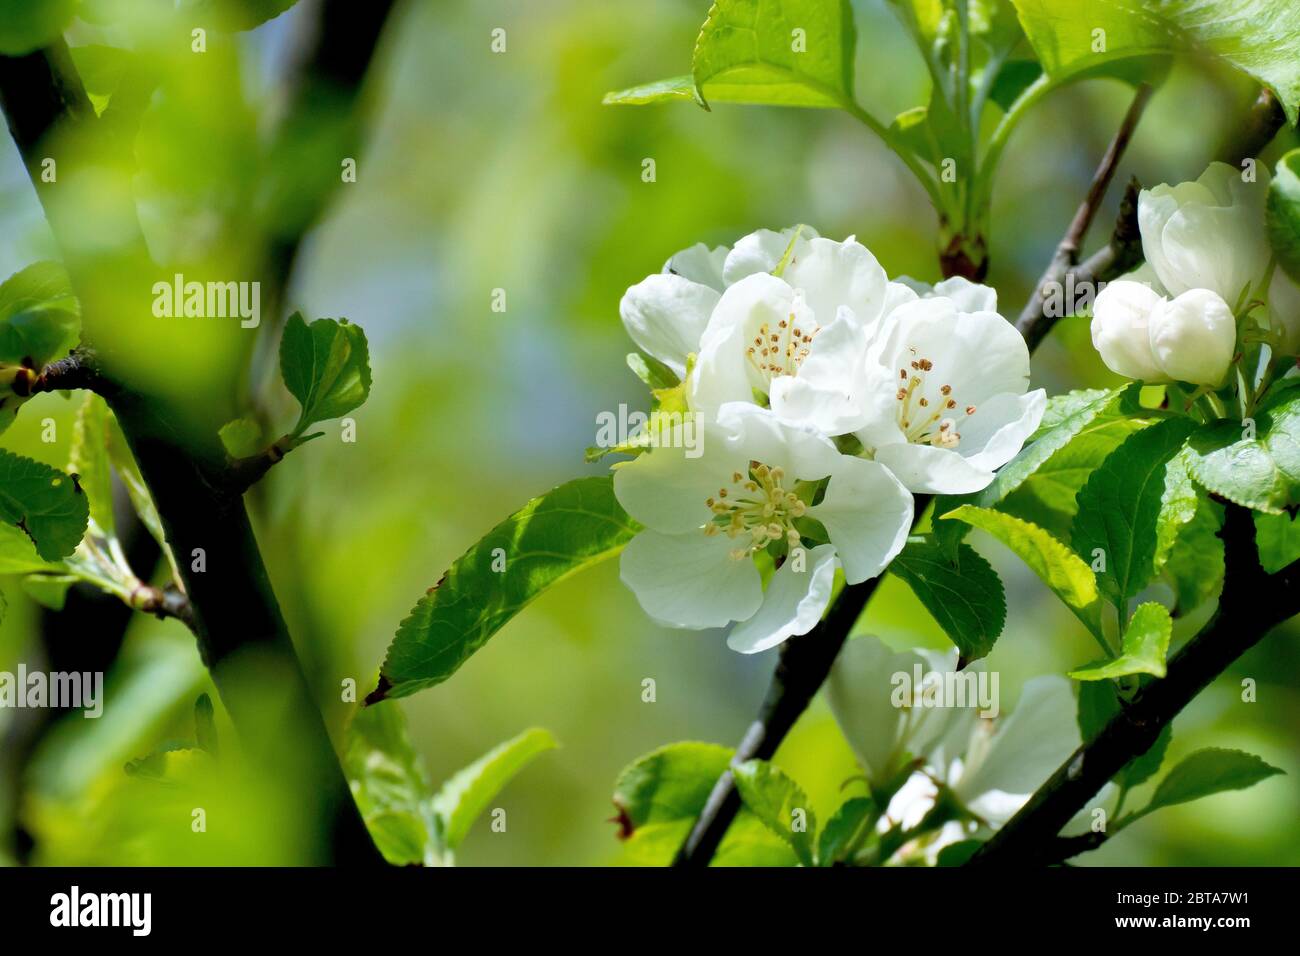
(1036, 319)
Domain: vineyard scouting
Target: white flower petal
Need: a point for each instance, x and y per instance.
(835, 274)
(1121, 318)
(761, 251)
(831, 388)
(1000, 426)
(1193, 337)
(1028, 744)
(979, 354)
(666, 315)
(793, 604)
(723, 372)
(690, 580)
(665, 489)
(868, 515)
(761, 436)
(926, 468)
(700, 264)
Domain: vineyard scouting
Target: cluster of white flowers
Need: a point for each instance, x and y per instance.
(826, 395)
(1207, 259)
(988, 767)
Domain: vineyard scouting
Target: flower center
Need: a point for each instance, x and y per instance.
(925, 413)
(757, 505)
(781, 349)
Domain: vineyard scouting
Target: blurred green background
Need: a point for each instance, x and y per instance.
(484, 171)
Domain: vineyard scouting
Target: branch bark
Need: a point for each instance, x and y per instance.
(241, 633)
(1253, 603)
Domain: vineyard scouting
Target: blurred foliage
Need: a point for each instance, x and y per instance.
(486, 171)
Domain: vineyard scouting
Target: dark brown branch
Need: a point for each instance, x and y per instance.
(236, 618)
(243, 473)
(801, 669)
(1036, 319)
(1253, 603)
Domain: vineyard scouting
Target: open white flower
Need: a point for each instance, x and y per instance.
(1144, 335)
(750, 495)
(861, 690)
(1208, 234)
(666, 313)
(800, 338)
(949, 401)
(989, 766)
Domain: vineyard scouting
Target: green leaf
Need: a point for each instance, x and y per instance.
(957, 854)
(238, 15)
(141, 500)
(1206, 772)
(656, 375)
(1070, 424)
(49, 590)
(1178, 506)
(564, 531)
(1145, 644)
(668, 784)
(101, 69)
(659, 91)
(326, 366)
(89, 460)
(660, 794)
(1058, 567)
(1120, 507)
(965, 596)
(205, 725)
(1261, 472)
(1258, 37)
(844, 826)
(242, 437)
(1278, 540)
(466, 795)
(748, 51)
(1283, 213)
(390, 785)
(780, 804)
(27, 25)
(44, 502)
(18, 553)
(40, 318)
(1195, 563)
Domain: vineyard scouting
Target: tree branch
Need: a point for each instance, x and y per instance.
(236, 618)
(802, 666)
(1252, 604)
(1123, 250)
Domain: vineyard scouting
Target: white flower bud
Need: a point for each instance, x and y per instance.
(1208, 234)
(1284, 311)
(1193, 337)
(1120, 318)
